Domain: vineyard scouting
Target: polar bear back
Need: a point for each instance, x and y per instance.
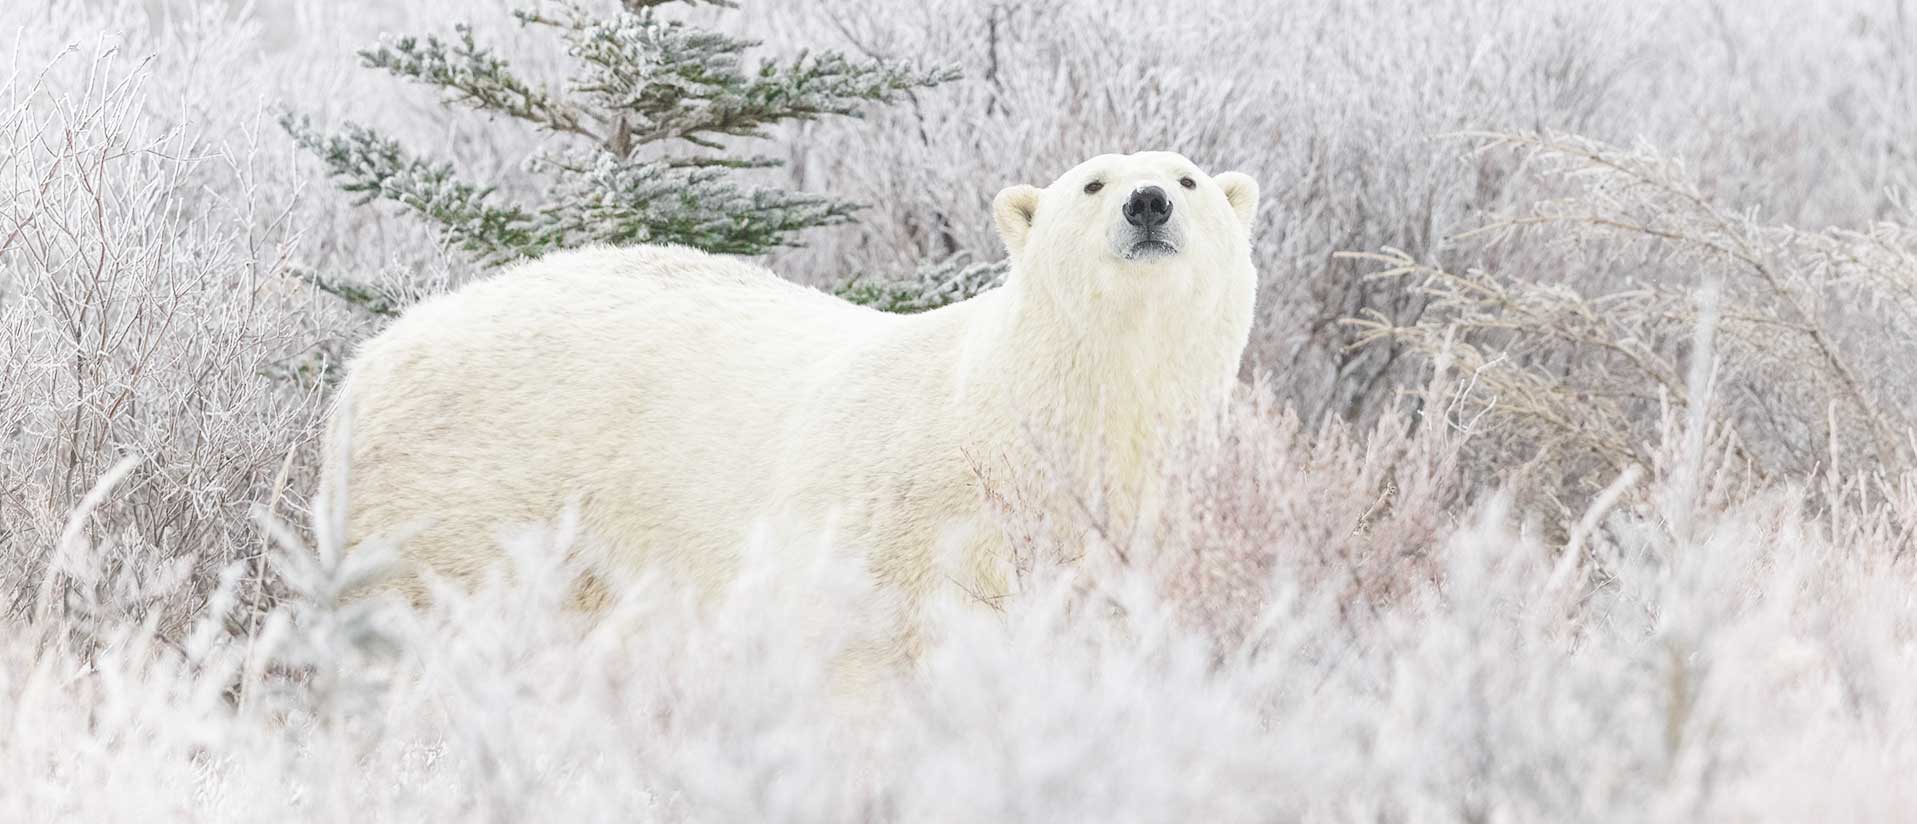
(646, 385)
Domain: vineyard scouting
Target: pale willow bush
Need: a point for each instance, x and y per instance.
(142, 312)
(1812, 329)
(1331, 620)
(1756, 670)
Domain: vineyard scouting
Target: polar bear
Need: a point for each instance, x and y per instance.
(678, 401)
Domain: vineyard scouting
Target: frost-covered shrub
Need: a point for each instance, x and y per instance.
(1809, 330)
(141, 316)
(1748, 665)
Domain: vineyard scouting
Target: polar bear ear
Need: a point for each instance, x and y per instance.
(1014, 210)
(1242, 191)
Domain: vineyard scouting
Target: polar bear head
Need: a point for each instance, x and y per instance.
(1136, 226)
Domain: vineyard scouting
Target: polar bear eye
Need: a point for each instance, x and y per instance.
(1188, 183)
(1093, 187)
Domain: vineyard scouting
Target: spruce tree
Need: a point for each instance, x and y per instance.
(650, 119)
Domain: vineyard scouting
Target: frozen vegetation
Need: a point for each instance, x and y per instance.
(1573, 478)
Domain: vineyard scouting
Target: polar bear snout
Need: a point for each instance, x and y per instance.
(1147, 233)
(1148, 207)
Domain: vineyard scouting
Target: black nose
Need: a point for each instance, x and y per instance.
(1148, 207)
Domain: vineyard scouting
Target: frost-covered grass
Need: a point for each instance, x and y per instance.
(1612, 520)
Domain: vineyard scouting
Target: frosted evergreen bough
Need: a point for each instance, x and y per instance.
(931, 286)
(650, 115)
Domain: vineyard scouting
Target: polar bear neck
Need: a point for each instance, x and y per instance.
(1112, 376)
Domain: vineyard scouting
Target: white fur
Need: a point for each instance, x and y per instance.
(682, 401)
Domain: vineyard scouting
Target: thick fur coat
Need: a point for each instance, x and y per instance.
(685, 403)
